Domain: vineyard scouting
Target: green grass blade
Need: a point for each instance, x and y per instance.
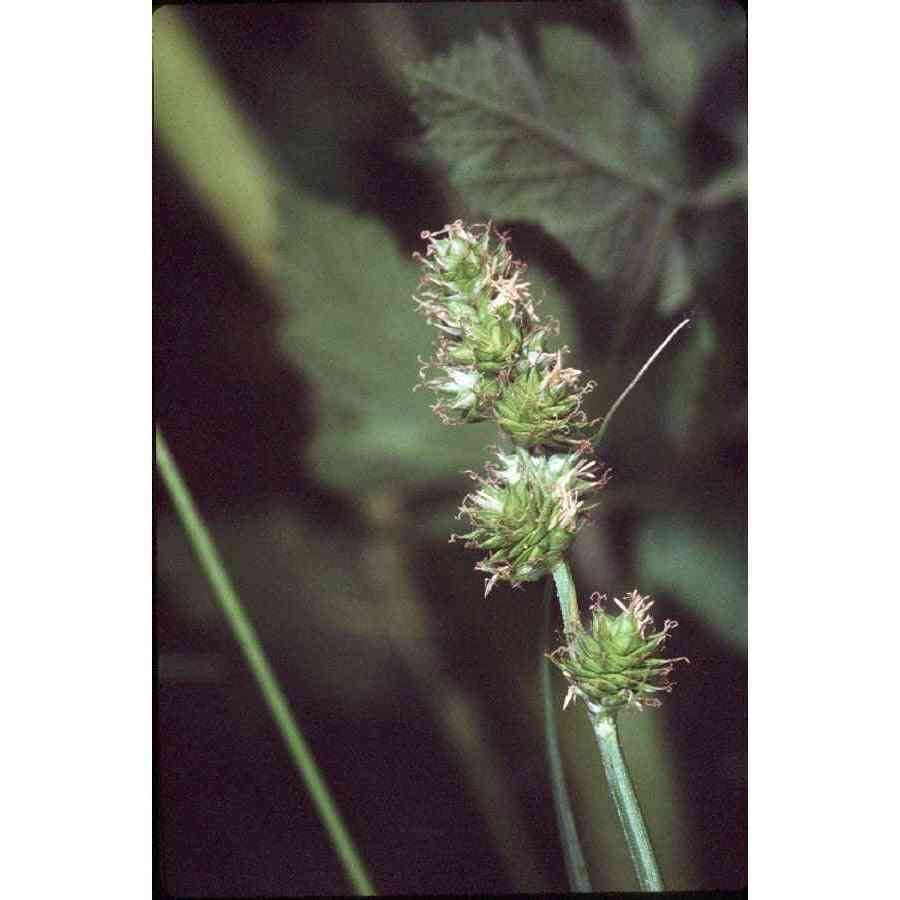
(576, 868)
(208, 557)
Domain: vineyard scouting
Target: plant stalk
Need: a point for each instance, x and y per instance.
(622, 792)
(208, 557)
(568, 599)
(618, 778)
(573, 855)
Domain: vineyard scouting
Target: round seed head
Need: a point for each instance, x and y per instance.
(543, 406)
(616, 661)
(527, 512)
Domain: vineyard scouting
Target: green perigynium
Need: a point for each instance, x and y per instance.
(527, 512)
(616, 662)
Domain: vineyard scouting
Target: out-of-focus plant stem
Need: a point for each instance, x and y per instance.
(205, 550)
(576, 867)
(464, 729)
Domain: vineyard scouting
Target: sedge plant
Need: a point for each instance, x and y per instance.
(493, 362)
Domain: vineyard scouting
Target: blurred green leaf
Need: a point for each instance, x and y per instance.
(677, 285)
(351, 325)
(714, 243)
(677, 43)
(690, 382)
(704, 566)
(305, 590)
(193, 112)
(726, 187)
(576, 152)
(653, 760)
(594, 97)
(650, 754)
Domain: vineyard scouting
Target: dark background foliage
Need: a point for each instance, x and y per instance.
(283, 369)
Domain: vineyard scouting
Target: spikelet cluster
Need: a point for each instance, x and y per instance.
(542, 406)
(491, 363)
(490, 360)
(527, 511)
(616, 662)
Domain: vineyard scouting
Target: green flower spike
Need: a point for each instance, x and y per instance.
(527, 512)
(459, 270)
(614, 663)
(472, 291)
(543, 406)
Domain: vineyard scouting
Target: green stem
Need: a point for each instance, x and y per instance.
(568, 600)
(243, 630)
(604, 724)
(622, 791)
